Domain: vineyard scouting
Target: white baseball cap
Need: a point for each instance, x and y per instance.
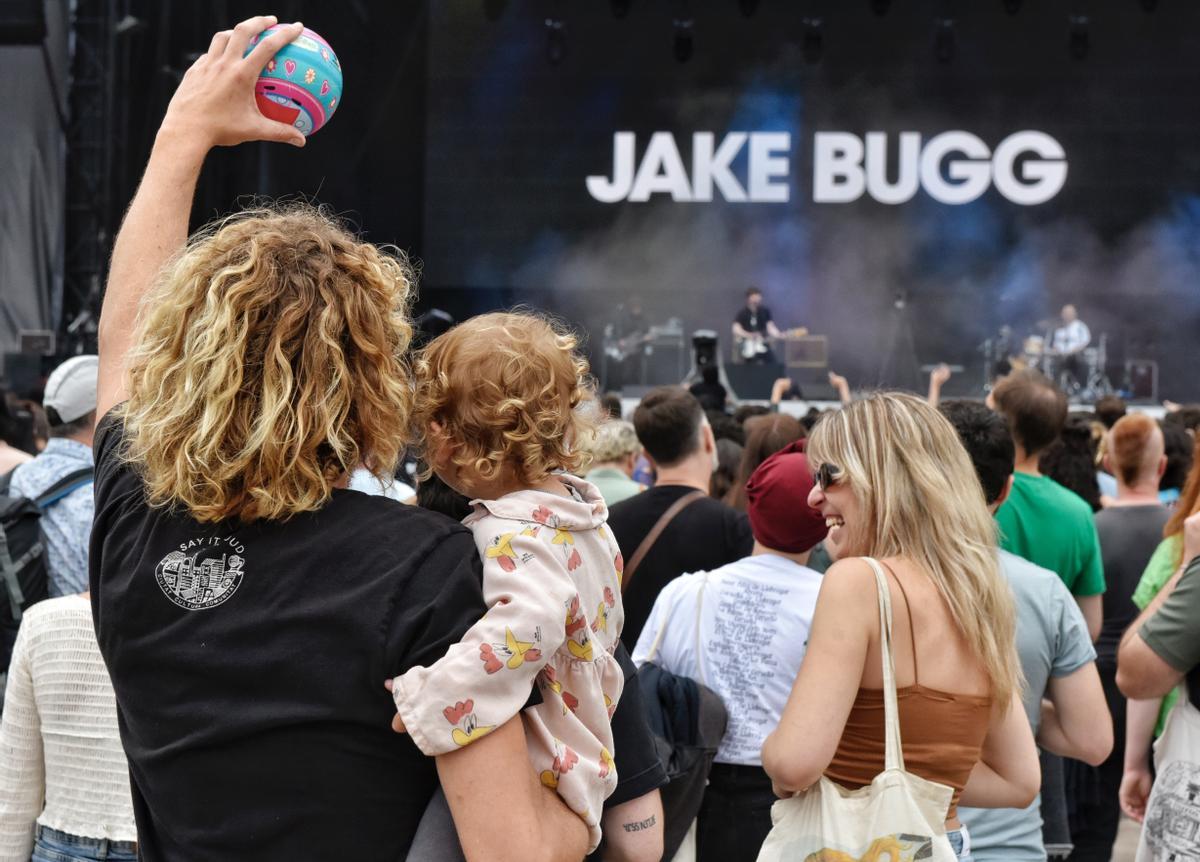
(71, 388)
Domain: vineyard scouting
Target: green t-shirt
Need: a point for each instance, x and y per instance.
(1158, 572)
(1173, 632)
(1052, 527)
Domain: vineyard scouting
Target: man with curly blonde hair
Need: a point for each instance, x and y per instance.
(247, 604)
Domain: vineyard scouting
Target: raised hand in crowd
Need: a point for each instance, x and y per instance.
(839, 383)
(937, 378)
(213, 107)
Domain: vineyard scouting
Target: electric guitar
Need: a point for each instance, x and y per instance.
(755, 344)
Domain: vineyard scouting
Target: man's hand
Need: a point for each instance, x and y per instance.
(215, 104)
(1135, 792)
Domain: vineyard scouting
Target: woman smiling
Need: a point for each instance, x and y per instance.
(893, 480)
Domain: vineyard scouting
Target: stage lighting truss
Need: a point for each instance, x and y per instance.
(943, 40)
(682, 43)
(1079, 38)
(812, 43)
(556, 40)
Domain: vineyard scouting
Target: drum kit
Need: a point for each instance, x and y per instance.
(1085, 379)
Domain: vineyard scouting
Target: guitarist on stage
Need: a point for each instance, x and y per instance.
(752, 327)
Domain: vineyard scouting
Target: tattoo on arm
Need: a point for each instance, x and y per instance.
(639, 825)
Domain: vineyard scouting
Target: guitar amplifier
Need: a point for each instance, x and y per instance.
(806, 351)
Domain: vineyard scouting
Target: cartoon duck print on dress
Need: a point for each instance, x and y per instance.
(562, 536)
(514, 652)
(466, 725)
(564, 761)
(606, 763)
(600, 624)
(548, 680)
(577, 624)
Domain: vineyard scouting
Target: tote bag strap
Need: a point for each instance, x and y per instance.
(893, 752)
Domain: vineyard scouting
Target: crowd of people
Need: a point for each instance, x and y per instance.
(233, 633)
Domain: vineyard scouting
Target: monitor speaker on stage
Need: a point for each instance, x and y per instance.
(753, 382)
(22, 22)
(1141, 379)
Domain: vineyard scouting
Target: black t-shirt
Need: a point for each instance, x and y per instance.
(249, 661)
(1128, 536)
(754, 321)
(705, 535)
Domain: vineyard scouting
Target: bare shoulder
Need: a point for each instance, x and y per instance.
(848, 590)
(850, 575)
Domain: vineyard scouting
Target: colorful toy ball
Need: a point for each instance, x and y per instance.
(302, 84)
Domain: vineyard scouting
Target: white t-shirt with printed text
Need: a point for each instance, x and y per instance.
(754, 620)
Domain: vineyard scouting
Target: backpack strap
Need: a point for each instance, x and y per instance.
(656, 531)
(66, 485)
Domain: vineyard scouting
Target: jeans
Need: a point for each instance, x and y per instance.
(735, 815)
(960, 843)
(50, 845)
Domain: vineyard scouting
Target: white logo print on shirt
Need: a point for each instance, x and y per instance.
(203, 573)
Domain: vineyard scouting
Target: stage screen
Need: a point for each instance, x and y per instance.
(900, 183)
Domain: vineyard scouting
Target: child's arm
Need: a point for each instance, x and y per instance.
(485, 679)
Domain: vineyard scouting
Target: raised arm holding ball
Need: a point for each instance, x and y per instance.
(245, 605)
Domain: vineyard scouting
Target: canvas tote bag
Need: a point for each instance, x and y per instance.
(1171, 830)
(897, 818)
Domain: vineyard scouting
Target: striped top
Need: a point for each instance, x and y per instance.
(61, 761)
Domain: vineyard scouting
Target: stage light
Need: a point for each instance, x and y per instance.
(1080, 39)
(812, 45)
(1012, 7)
(943, 40)
(881, 7)
(556, 40)
(620, 8)
(682, 47)
(494, 9)
(747, 7)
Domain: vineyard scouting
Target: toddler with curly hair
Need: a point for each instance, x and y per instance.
(498, 409)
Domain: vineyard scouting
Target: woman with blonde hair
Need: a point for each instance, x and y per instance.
(247, 603)
(894, 482)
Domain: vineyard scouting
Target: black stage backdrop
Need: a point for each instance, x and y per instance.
(512, 139)
(458, 140)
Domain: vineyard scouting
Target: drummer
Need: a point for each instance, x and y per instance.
(1069, 342)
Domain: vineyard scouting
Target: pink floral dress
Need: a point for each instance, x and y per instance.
(552, 582)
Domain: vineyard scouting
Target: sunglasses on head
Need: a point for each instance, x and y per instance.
(826, 475)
